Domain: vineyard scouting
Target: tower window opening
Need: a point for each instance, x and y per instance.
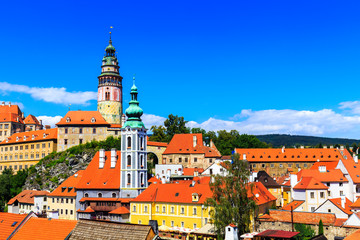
(107, 96)
(129, 142)
(129, 160)
(128, 178)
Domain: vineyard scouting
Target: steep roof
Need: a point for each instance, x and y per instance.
(332, 175)
(87, 210)
(259, 193)
(27, 196)
(10, 109)
(94, 177)
(310, 183)
(354, 236)
(10, 117)
(67, 188)
(328, 165)
(120, 210)
(9, 222)
(337, 203)
(183, 144)
(266, 180)
(356, 204)
(31, 136)
(91, 230)
(289, 155)
(352, 168)
(31, 119)
(82, 118)
(295, 204)
(44, 228)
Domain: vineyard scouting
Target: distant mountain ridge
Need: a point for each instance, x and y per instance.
(279, 140)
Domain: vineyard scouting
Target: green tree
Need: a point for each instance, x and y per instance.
(354, 147)
(159, 134)
(305, 231)
(230, 202)
(175, 125)
(321, 227)
(198, 130)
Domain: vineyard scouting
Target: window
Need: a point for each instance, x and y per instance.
(146, 209)
(66, 130)
(113, 195)
(180, 160)
(328, 184)
(170, 160)
(100, 195)
(312, 209)
(163, 222)
(263, 165)
(134, 208)
(210, 160)
(305, 165)
(94, 130)
(80, 130)
(157, 208)
(254, 165)
(329, 210)
(322, 195)
(312, 195)
(172, 223)
(341, 193)
(194, 211)
(182, 210)
(128, 179)
(182, 224)
(289, 165)
(164, 210)
(86, 195)
(37, 146)
(341, 184)
(71, 212)
(272, 165)
(129, 160)
(329, 194)
(195, 159)
(139, 221)
(129, 142)
(172, 210)
(186, 159)
(280, 165)
(195, 225)
(65, 141)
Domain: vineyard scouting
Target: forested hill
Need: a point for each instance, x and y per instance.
(279, 140)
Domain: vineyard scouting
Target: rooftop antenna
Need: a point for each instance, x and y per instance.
(69, 106)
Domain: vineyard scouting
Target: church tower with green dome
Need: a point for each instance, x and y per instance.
(110, 87)
(133, 150)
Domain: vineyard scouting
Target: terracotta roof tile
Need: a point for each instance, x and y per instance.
(120, 210)
(328, 165)
(44, 229)
(154, 180)
(31, 119)
(87, 210)
(295, 204)
(10, 117)
(356, 204)
(191, 171)
(157, 144)
(10, 109)
(310, 183)
(82, 118)
(277, 234)
(107, 178)
(122, 200)
(67, 188)
(352, 168)
(354, 236)
(289, 155)
(6, 222)
(348, 203)
(31, 136)
(332, 175)
(183, 144)
(260, 194)
(27, 196)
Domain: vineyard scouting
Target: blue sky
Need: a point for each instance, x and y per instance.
(255, 66)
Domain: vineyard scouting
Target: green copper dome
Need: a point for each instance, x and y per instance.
(134, 112)
(110, 47)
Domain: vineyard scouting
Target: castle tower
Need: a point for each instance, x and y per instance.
(110, 87)
(133, 150)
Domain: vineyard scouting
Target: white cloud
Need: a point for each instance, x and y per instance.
(352, 106)
(152, 120)
(53, 95)
(48, 120)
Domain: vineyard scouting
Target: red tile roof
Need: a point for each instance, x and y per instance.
(354, 236)
(6, 222)
(183, 144)
(332, 175)
(31, 136)
(337, 203)
(277, 234)
(352, 168)
(31, 119)
(289, 155)
(44, 229)
(356, 204)
(27, 196)
(310, 183)
(67, 188)
(122, 200)
(115, 126)
(260, 194)
(157, 144)
(10, 109)
(328, 165)
(82, 118)
(299, 217)
(10, 117)
(191, 171)
(295, 204)
(87, 210)
(120, 210)
(101, 178)
(154, 180)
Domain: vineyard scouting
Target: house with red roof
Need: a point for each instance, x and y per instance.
(10, 223)
(24, 202)
(190, 151)
(339, 206)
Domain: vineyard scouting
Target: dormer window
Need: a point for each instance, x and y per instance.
(44, 135)
(24, 138)
(17, 138)
(33, 137)
(195, 197)
(93, 120)
(68, 119)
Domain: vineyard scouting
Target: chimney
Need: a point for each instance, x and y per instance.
(324, 146)
(283, 149)
(101, 158)
(3, 103)
(322, 169)
(342, 147)
(331, 146)
(194, 141)
(343, 202)
(302, 147)
(18, 130)
(244, 156)
(47, 126)
(356, 160)
(9, 104)
(196, 172)
(113, 157)
(123, 119)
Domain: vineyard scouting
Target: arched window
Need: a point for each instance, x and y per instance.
(68, 119)
(113, 195)
(128, 178)
(86, 195)
(107, 96)
(129, 142)
(142, 161)
(99, 195)
(142, 178)
(129, 160)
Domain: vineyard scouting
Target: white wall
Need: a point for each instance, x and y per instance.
(328, 205)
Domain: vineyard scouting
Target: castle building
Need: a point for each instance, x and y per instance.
(110, 87)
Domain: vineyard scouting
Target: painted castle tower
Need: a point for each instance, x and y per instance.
(133, 150)
(110, 87)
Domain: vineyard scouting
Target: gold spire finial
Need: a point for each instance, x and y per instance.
(110, 34)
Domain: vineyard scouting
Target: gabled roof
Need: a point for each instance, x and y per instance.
(10, 117)
(310, 183)
(67, 188)
(191, 171)
(10, 109)
(120, 210)
(154, 180)
(337, 203)
(183, 144)
(44, 229)
(82, 118)
(31, 119)
(9, 222)
(289, 155)
(111, 230)
(27, 196)
(259, 193)
(328, 165)
(94, 177)
(295, 204)
(266, 180)
(352, 168)
(31, 136)
(332, 175)
(356, 204)
(87, 210)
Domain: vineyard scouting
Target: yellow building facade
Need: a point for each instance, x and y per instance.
(25, 149)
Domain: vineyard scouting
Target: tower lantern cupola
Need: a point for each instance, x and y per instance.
(110, 87)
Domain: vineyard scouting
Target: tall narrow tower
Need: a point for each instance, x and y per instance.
(133, 150)
(110, 87)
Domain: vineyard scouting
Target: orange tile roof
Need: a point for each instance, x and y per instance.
(328, 165)
(120, 210)
(354, 236)
(260, 194)
(43, 229)
(10, 117)
(191, 171)
(310, 183)
(27, 196)
(10, 109)
(289, 155)
(175, 193)
(101, 178)
(6, 222)
(183, 144)
(332, 175)
(122, 200)
(157, 144)
(353, 169)
(115, 126)
(299, 217)
(87, 210)
(295, 204)
(356, 204)
(154, 180)
(337, 203)
(31, 119)
(82, 118)
(67, 188)
(50, 134)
